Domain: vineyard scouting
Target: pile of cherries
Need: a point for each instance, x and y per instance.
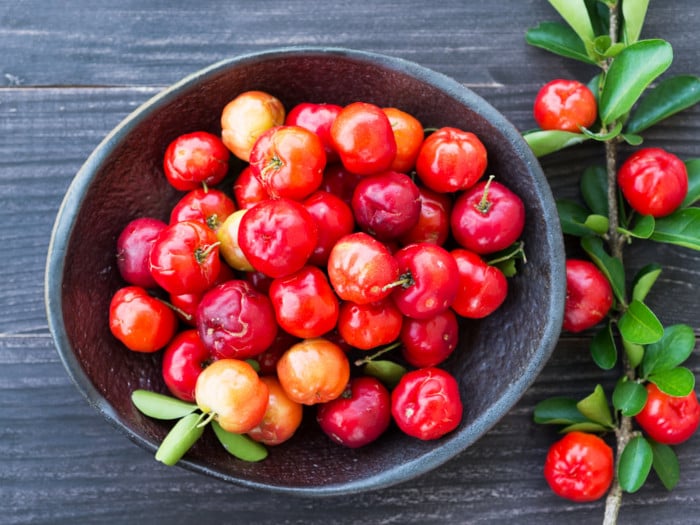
(350, 231)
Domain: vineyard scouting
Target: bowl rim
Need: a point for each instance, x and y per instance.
(73, 198)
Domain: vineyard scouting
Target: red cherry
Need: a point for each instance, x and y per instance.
(209, 206)
(317, 118)
(133, 247)
(183, 360)
(482, 288)
(194, 159)
(367, 326)
(334, 219)
(428, 342)
(589, 295)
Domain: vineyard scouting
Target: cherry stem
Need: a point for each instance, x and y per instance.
(205, 419)
(201, 254)
(404, 280)
(483, 205)
(180, 311)
(379, 353)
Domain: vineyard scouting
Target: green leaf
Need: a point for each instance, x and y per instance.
(665, 464)
(594, 189)
(635, 353)
(160, 406)
(639, 324)
(603, 349)
(629, 397)
(558, 411)
(672, 350)
(601, 136)
(629, 75)
(643, 228)
(180, 439)
(611, 267)
(633, 14)
(677, 382)
(387, 372)
(597, 223)
(544, 142)
(505, 260)
(669, 97)
(644, 280)
(575, 13)
(558, 39)
(595, 407)
(693, 167)
(635, 464)
(586, 426)
(239, 445)
(572, 217)
(632, 139)
(682, 228)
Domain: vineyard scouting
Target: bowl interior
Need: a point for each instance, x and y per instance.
(497, 359)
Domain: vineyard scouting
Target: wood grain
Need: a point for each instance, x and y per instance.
(72, 70)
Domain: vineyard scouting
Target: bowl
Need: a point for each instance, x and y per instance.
(498, 358)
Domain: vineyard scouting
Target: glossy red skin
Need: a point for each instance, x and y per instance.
(277, 236)
(434, 278)
(133, 247)
(194, 159)
(653, 181)
(428, 342)
(367, 326)
(340, 182)
(236, 321)
(667, 419)
(248, 190)
(589, 295)
(317, 118)
(359, 416)
(185, 305)
(304, 303)
(409, 135)
(362, 135)
(288, 161)
(386, 205)
(361, 269)
(487, 229)
(482, 288)
(579, 467)
(141, 322)
(433, 224)
(334, 219)
(426, 403)
(450, 160)
(565, 105)
(183, 360)
(210, 207)
(185, 258)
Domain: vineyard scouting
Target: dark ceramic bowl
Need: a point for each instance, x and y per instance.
(497, 359)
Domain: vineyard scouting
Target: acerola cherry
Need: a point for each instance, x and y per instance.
(141, 322)
(487, 218)
(232, 390)
(133, 248)
(317, 118)
(277, 236)
(386, 205)
(361, 134)
(434, 220)
(565, 105)
(426, 403)
(361, 269)
(653, 181)
(282, 417)
(246, 117)
(429, 276)
(248, 190)
(185, 258)
(194, 159)
(428, 342)
(183, 360)
(288, 161)
(230, 250)
(367, 326)
(339, 181)
(482, 287)
(359, 415)
(334, 220)
(209, 206)
(668, 419)
(450, 160)
(313, 371)
(236, 321)
(579, 467)
(304, 303)
(408, 133)
(589, 295)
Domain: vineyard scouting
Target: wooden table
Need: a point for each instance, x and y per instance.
(71, 70)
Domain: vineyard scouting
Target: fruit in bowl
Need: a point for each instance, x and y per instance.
(495, 358)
